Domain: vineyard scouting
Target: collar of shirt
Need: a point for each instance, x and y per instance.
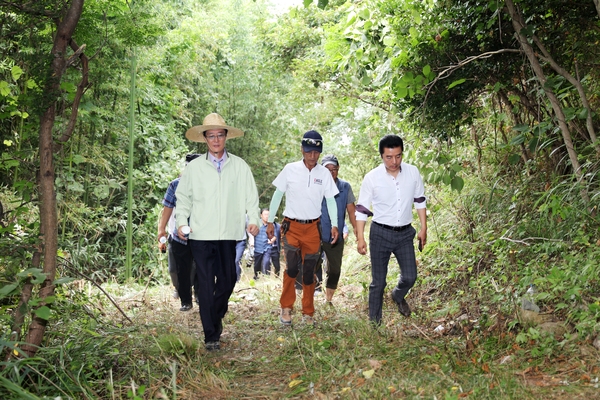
(216, 161)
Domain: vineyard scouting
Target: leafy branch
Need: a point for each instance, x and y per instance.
(449, 69)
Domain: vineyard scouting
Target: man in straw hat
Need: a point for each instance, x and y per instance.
(305, 184)
(215, 193)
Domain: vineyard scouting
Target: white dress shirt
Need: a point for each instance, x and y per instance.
(391, 198)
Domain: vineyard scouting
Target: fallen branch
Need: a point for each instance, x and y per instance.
(422, 333)
(82, 275)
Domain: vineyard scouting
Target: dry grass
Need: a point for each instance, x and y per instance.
(343, 357)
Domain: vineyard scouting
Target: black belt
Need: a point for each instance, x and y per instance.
(303, 221)
(392, 228)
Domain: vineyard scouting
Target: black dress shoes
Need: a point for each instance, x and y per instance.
(403, 307)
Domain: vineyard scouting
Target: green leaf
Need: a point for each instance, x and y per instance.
(583, 113)
(389, 41)
(16, 72)
(63, 280)
(43, 312)
(307, 3)
(4, 88)
(322, 4)
(514, 159)
(533, 144)
(401, 92)
(457, 82)
(36, 275)
(521, 128)
(426, 70)
(416, 16)
(517, 140)
(68, 87)
(29, 272)
(16, 389)
(78, 159)
(447, 179)
(101, 191)
(413, 32)
(457, 183)
(34, 302)
(8, 289)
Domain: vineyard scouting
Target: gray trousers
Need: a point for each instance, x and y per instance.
(382, 244)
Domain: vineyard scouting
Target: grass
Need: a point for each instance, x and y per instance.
(479, 354)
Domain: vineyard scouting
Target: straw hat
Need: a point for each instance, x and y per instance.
(211, 121)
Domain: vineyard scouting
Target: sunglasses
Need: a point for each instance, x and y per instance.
(313, 142)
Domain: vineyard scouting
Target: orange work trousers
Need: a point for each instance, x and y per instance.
(302, 249)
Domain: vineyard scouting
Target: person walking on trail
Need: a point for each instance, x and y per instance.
(263, 248)
(215, 193)
(240, 246)
(274, 251)
(305, 184)
(390, 190)
(181, 264)
(334, 252)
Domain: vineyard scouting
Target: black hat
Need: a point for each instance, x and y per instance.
(312, 141)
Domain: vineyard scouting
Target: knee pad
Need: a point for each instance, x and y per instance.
(293, 260)
(308, 270)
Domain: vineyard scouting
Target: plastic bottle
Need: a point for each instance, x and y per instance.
(528, 301)
(186, 230)
(163, 240)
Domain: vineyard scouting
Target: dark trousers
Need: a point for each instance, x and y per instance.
(215, 268)
(262, 262)
(334, 254)
(275, 259)
(240, 246)
(182, 255)
(382, 244)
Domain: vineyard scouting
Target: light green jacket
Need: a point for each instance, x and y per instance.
(217, 204)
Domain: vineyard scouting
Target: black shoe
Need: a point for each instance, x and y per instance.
(185, 307)
(212, 346)
(256, 277)
(403, 307)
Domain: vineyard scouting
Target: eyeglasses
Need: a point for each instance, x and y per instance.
(313, 142)
(215, 137)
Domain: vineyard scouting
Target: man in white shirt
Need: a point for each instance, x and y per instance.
(305, 184)
(390, 190)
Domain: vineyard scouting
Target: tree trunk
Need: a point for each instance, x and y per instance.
(48, 209)
(518, 25)
(575, 82)
(597, 4)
